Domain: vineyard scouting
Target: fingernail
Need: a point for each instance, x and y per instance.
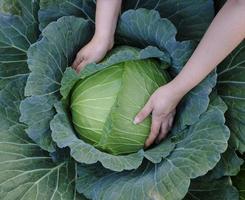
(136, 120)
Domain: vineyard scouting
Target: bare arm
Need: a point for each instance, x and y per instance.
(225, 32)
(107, 12)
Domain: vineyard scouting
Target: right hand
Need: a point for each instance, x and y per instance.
(94, 51)
(162, 105)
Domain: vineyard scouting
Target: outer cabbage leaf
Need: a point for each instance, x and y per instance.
(190, 17)
(239, 182)
(54, 9)
(9, 102)
(229, 164)
(26, 9)
(36, 113)
(27, 172)
(212, 189)
(17, 33)
(170, 178)
(47, 59)
(10, 6)
(143, 27)
(231, 87)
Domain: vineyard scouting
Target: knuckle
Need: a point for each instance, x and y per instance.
(170, 123)
(154, 131)
(160, 138)
(164, 132)
(86, 57)
(79, 55)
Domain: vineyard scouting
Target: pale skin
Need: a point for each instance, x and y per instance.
(107, 12)
(224, 34)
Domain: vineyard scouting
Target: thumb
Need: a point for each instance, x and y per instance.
(146, 110)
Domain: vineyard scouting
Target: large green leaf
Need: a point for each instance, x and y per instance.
(26, 9)
(54, 9)
(9, 102)
(10, 6)
(194, 103)
(231, 87)
(144, 27)
(229, 164)
(17, 33)
(220, 189)
(36, 113)
(26, 171)
(170, 178)
(47, 59)
(191, 17)
(239, 182)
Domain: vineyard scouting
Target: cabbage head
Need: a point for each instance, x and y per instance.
(103, 105)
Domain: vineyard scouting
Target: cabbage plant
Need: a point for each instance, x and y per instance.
(55, 147)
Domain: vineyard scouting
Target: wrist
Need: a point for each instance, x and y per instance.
(178, 89)
(104, 38)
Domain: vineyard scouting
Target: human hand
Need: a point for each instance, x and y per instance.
(162, 104)
(94, 51)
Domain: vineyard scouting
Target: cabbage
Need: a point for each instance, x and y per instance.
(103, 105)
(43, 155)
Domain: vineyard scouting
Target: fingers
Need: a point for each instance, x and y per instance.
(81, 66)
(170, 121)
(143, 113)
(164, 130)
(155, 128)
(166, 127)
(77, 61)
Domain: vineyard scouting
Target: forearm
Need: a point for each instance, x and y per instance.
(225, 32)
(107, 12)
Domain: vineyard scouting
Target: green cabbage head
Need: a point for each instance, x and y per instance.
(104, 105)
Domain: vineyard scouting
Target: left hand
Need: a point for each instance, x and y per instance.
(162, 104)
(94, 51)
